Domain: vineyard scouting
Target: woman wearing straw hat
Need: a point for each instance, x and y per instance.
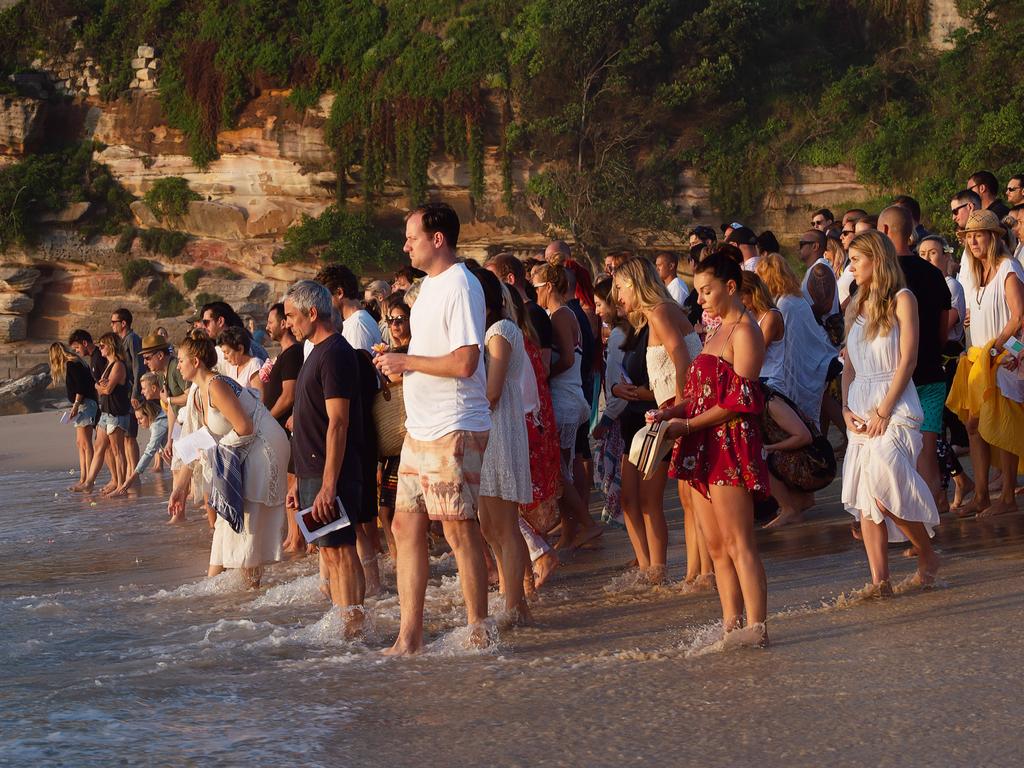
(985, 395)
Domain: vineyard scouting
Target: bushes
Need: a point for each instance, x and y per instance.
(169, 197)
(226, 273)
(125, 240)
(163, 241)
(191, 278)
(338, 236)
(167, 301)
(134, 270)
(205, 297)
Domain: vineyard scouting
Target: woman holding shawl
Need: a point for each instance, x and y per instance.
(245, 474)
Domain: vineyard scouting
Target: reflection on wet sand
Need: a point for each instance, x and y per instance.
(115, 642)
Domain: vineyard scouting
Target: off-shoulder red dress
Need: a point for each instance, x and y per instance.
(731, 453)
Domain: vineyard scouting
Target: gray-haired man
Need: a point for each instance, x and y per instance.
(326, 436)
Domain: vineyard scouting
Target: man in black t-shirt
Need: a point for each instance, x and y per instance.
(934, 305)
(81, 342)
(279, 388)
(326, 441)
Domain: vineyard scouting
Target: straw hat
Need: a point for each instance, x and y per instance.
(982, 221)
(154, 342)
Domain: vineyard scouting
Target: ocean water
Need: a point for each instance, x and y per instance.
(116, 650)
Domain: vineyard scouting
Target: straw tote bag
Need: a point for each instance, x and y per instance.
(389, 418)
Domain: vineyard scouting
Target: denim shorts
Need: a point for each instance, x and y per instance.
(86, 414)
(109, 422)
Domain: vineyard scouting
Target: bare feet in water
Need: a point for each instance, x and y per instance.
(81, 487)
(998, 508)
(587, 538)
(544, 566)
(785, 518)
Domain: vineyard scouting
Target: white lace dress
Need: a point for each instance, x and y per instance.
(265, 485)
(884, 467)
(505, 473)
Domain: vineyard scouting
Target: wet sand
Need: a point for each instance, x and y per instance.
(118, 651)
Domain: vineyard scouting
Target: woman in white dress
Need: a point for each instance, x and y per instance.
(248, 469)
(671, 346)
(881, 485)
(995, 307)
(505, 481)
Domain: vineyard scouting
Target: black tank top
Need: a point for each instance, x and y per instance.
(118, 402)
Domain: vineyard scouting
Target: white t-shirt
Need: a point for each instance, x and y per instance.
(956, 292)
(361, 331)
(750, 265)
(678, 290)
(448, 314)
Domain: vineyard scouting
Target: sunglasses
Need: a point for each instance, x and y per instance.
(1013, 189)
(117, 322)
(817, 222)
(808, 242)
(954, 211)
(397, 320)
(847, 232)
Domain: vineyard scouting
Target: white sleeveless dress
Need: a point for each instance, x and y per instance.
(265, 484)
(884, 467)
(989, 314)
(505, 473)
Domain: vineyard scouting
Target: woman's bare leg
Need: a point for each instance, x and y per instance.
(83, 438)
(652, 505)
(729, 593)
(99, 454)
(1007, 501)
(499, 524)
(734, 513)
(117, 449)
(981, 461)
(927, 560)
(876, 542)
(632, 514)
(791, 505)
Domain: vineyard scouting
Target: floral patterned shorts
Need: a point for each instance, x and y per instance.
(441, 478)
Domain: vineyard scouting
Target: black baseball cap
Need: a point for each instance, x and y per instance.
(742, 236)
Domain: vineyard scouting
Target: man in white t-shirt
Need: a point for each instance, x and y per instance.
(448, 421)
(358, 326)
(667, 265)
(745, 239)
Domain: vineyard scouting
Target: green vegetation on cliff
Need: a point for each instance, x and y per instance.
(338, 236)
(614, 97)
(46, 183)
(169, 197)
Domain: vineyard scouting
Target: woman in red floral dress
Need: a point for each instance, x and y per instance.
(720, 451)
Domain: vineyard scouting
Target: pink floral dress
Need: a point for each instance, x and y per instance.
(731, 453)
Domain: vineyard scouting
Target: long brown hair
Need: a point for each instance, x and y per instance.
(60, 356)
(200, 346)
(111, 341)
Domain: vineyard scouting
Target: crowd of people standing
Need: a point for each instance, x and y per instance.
(478, 404)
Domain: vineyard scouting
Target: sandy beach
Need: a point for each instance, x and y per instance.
(115, 645)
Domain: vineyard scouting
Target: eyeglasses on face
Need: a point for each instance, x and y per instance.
(956, 210)
(848, 232)
(807, 242)
(397, 320)
(115, 321)
(817, 222)
(1013, 189)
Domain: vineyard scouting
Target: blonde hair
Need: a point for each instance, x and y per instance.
(153, 377)
(835, 255)
(648, 289)
(877, 301)
(778, 276)
(413, 292)
(60, 356)
(996, 252)
(760, 297)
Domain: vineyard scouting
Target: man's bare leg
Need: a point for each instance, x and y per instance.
(411, 570)
(468, 547)
(346, 577)
(366, 546)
